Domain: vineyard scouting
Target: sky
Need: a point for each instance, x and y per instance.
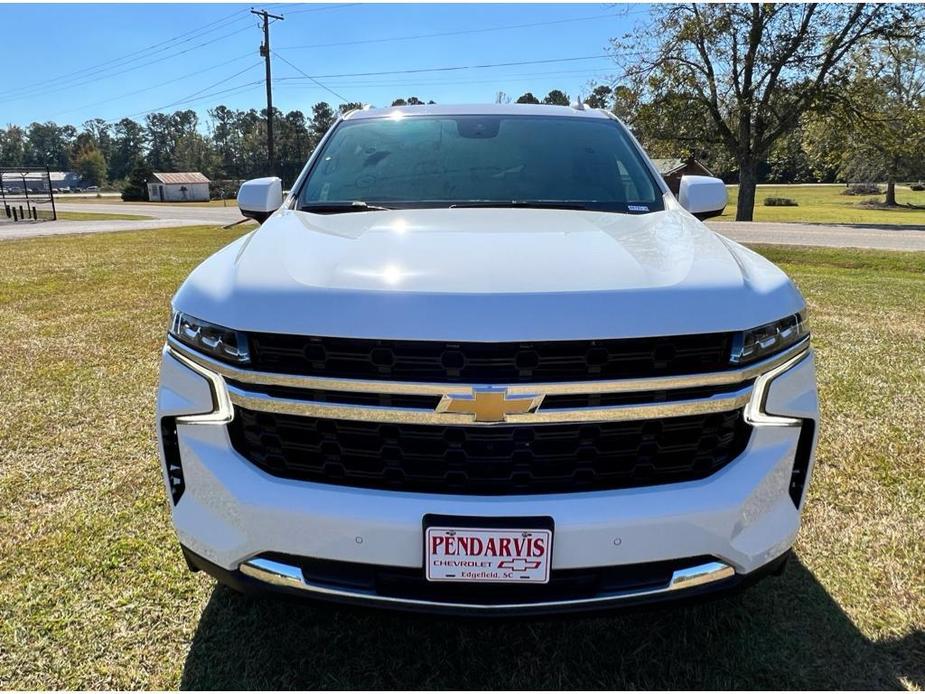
(71, 62)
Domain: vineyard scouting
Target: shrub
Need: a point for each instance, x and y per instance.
(917, 186)
(780, 202)
(862, 189)
(136, 188)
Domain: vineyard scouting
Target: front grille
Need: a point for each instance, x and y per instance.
(490, 460)
(476, 362)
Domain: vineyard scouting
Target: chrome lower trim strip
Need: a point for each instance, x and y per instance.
(626, 385)
(287, 576)
(414, 415)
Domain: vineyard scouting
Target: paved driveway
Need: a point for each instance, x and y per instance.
(838, 236)
(185, 213)
(162, 216)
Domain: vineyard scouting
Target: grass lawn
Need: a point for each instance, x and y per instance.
(825, 204)
(94, 592)
(97, 216)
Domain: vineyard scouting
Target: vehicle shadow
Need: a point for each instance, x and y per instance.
(784, 633)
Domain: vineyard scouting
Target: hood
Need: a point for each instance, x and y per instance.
(487, 274)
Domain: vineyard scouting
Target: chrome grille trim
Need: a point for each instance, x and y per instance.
(413, 415)
(751, 376)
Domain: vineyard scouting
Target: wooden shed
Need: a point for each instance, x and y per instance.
(672, 170)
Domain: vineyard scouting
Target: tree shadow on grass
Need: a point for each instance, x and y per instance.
(888, 226)
(784, 633)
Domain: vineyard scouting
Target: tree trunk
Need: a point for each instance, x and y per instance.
(748, 179)
(891, 192)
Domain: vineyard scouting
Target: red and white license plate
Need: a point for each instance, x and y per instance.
(487, 555)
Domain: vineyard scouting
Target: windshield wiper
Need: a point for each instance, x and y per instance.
(339, 207)
(541, 204)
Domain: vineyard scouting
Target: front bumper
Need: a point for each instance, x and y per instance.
(743, 519)
(265, 576)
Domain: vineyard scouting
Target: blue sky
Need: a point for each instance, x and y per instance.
(68, 63)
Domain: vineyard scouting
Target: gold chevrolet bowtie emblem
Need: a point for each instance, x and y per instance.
(486, 404)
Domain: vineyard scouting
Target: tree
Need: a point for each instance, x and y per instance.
(194, 152)
(136, 188)
(527, 98)
(600, 97)
(557, 98)
(48, 144)
(753, 69)
(227, 139)
(90, 163)
(350, 106)
(100, 134)
(127, 147)
(160, 141)
(876, 131)
(322, 120)
(12, 146)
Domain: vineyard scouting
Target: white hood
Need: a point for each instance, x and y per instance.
(487, 275)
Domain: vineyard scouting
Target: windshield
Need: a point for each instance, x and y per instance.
(423, 161)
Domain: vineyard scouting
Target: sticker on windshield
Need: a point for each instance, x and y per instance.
(638, 208)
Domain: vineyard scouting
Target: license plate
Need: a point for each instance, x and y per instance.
(487, 555)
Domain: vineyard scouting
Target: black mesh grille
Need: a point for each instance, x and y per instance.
(490, 460)
(476, 362)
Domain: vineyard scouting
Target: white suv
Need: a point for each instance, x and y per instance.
(481, 360)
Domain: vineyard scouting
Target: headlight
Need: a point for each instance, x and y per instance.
(763, 341)
(214, 340)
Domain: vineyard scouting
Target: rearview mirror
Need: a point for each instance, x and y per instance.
(260, 197)
(702, 196)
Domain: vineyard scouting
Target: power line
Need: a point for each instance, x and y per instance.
(404, 84)
(306, 76)
(230, 91)
(444, 33)
(191, 97)
(324, 8)
(455, 67)
(181, 78)
(95, 71)
(130, 69)
(410, 71)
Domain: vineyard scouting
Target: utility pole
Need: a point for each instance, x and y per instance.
(265, 52)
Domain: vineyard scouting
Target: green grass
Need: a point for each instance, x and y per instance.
(94, 592)
(97, 216)
(824, 204)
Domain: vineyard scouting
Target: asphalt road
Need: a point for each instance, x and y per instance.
(888, 238)
(838, 236)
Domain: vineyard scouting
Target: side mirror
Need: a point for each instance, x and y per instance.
(260, 197)
(702, 196)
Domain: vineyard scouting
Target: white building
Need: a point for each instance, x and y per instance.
(178, 187)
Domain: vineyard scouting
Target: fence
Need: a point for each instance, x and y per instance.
(26, 194)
